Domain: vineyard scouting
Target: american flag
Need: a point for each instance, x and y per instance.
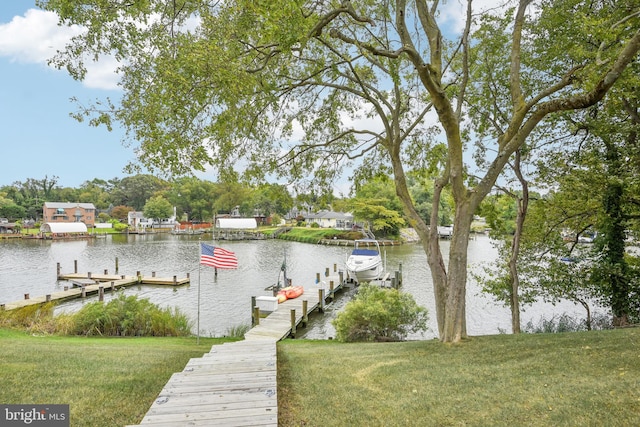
(217, 257)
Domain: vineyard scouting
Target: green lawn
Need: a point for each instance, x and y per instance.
(572, 379)
(106, 381)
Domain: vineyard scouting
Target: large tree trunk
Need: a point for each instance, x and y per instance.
(455, 325)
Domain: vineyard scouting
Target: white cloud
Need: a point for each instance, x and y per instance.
(36, 37)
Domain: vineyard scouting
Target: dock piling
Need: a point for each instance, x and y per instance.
(75, 266)
(293, 322)
(305, 315)
(26, 296)
(253, 308)
(47, 298)
(256, 315)
(116, 265)
(101, 293)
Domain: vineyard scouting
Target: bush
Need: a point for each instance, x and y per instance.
(129, 316)
(378, 314)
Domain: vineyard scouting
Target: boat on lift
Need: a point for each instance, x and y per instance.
(364, 264)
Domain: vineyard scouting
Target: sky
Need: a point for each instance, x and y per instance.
(38, 136)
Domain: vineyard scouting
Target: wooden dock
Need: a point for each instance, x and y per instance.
(235, 384)
(90, 284)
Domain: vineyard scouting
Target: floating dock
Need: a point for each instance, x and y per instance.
(89, 284)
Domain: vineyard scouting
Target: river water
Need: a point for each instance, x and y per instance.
(29, 266)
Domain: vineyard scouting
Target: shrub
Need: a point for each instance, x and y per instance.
(379, 314)
(129, 316)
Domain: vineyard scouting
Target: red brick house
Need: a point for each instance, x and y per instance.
(69, 212)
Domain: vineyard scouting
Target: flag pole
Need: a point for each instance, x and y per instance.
(198, 321)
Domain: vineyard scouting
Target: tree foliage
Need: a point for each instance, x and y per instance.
(290, 88)
(157, 207)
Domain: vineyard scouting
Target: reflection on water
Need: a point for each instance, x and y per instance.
(29, 266)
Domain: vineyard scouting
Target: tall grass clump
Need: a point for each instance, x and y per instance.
(129, 316)
(238, 331)
(37, 318)
(566, 323)
(379, 314)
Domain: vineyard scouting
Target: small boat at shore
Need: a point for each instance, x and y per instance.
(364, 264)
(290, 292)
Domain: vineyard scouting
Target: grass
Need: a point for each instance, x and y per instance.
(569, 379)
(106, 381)
(572, 379)
(314, 235)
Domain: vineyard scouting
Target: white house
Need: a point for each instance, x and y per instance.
(329, 219)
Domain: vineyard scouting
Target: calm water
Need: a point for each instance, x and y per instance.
(29, 266)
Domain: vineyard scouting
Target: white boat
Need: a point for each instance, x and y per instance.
(445, 231)
(364, 264)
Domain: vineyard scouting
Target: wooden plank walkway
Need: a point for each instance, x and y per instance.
(235, 384)
(108, 282)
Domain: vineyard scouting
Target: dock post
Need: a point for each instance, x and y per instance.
(57, 270)
(153, 274)
(175, 280)
(293, 322)
(256, 315)
(321, 300)
(101, 293)
(188, 276)
(400, 274)
(66, 288)
(75, 266)
(117, 265)
(331, 291)
(341, 275)
(317, 277)
(253, 306)
(106, 271)
(335, 267)
(47, 298)
(397, 279)
(113, 286)
(305, 315)
(83, 292)
(89, 275)
(26, 296)
(326, 272)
